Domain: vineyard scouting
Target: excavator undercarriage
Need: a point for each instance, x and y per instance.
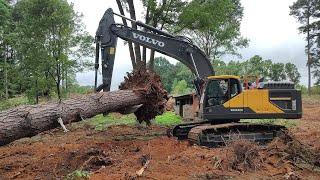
(214, 135)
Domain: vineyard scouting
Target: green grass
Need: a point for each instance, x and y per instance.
(76, 89)
(168, 119)
(311, 99)
(101, 122)
(78, 175)
(13, 102)
(283, 122)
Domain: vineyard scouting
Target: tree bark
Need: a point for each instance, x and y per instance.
(144, 49)
(27, 121)
(6, 73)
(132, 55)
(134, 25)
(58, 80)
(308, 51)
(151, 61)
(156, 20)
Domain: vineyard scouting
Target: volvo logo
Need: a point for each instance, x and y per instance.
(148, 40)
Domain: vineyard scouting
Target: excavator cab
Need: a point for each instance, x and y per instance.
(221, 89)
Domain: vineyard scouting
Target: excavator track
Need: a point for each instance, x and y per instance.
(221, 134)
(181, 131)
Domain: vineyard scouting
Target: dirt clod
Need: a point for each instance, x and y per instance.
(95, 163)
(144, 159)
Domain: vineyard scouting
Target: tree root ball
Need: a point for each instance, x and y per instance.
(148, 84)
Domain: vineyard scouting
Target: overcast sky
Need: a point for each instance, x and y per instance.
(272, 33)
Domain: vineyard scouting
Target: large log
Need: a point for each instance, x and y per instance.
(140, 87)
(27, 121)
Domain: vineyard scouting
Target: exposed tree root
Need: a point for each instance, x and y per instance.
(289, 148)
(153, 91)
(245, 155)
(285, 151)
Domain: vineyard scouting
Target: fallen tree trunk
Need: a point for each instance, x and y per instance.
(27, 121)
(140, 87)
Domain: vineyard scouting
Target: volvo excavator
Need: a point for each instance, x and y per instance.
(223, 101)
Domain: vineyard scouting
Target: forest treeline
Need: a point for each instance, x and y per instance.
(42, 45)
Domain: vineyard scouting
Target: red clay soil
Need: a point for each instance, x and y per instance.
(308, 130)
(120, 151)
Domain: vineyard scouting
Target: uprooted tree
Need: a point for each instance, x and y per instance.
(140, 87)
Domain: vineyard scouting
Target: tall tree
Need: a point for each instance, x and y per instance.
(292, 73)
(235, 68)
(161, 14)
(254, 66)
(50, 40)
(132, 55)
(180, 88)
(220, 67)
(214, 25)
(315, 26)
(132, 12)
(5, 47)
(277, 72)
(316, 64)
(307, 11)
(166, 70)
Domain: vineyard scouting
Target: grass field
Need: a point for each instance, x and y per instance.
(13, 102)
(311, 99)
(283, 122)
(100, 122)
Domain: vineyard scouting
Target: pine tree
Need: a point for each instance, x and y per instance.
(308, 13)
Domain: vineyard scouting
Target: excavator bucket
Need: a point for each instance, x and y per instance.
(107, 38)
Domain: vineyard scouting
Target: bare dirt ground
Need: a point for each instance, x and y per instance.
(120, 151)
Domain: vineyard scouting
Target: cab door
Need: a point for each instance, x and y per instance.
(236, 98)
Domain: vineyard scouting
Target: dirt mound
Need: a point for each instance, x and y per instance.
(148, 84)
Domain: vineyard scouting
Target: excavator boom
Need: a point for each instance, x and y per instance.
(180, 48)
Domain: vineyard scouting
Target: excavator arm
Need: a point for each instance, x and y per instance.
(179, 48)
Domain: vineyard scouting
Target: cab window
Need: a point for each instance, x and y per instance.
(220, 91)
